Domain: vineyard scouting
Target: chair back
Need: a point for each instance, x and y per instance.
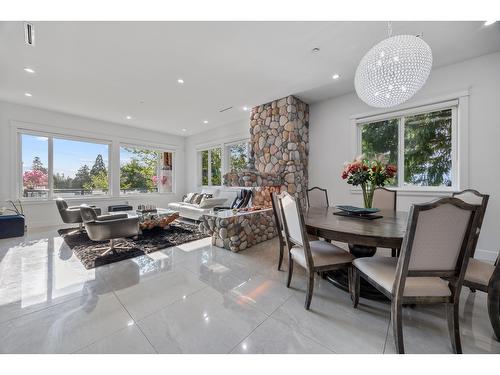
(317, 197)
(88, 214)
(384, 199)
(61, 204)
(438, 238)
(471, 196)
(277, 215)
(294, 226)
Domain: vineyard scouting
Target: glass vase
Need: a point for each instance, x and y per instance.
(368, 191)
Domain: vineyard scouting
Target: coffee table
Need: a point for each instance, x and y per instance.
(161, 218)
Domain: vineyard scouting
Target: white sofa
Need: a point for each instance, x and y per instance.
(195, 212)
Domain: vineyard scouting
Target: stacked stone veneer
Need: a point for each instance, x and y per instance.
(240, 231)
(279, 153)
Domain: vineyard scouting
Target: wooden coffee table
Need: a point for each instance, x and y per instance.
(161, 218)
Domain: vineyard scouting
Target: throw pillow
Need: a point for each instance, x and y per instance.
(188, 198)
(197, 199)
(212, 202)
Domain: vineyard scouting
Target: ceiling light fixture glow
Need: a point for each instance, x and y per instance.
(28, 94)
(184, 130)
(180, 80)
(488, 23)
(245, 108)
(336, 76)
(205, 121)
(29, 70)
(128, 117)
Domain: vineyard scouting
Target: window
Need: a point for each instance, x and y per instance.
(35, 162)
(80, 168)
(420, 142)
(54, 166)
(237, 156)
(211, 163)
(145, 171)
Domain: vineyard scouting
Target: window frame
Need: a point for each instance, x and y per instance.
(224, 158)
(459, 103)
(209, 169)
(18, 127)
(50, 161)
(227, 158)
(150, 148)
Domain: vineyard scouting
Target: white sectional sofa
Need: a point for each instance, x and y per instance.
(221, 198)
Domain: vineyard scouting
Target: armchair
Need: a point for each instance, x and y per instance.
(108, 227)
(71, 214)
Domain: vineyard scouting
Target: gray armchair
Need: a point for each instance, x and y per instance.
(108, 227)
(71, 214)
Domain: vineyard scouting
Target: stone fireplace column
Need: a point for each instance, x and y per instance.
(280, 142)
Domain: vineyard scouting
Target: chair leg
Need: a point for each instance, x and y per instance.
(453, 326)
(494, 310)
(290, 270)
(394, 253)
(397, 325)
(310, 288)
(280, 261)
(355, 287)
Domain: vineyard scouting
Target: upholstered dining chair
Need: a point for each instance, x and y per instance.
(385, 199)
(313, 256)
(279, 228)
(481, 275)
(317, 197)
(437, 243)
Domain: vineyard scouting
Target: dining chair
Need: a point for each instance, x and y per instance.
(317, 197)
(385, 199)
(485, 277)
(313, 256)
(474, 197)
(279, 228)
(437, 243)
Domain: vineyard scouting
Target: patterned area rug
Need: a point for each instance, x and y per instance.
(89, 252)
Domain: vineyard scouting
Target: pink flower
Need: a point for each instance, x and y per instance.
(35, 179)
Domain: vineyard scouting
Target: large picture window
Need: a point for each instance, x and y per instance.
(237, 156)
(421, 143)
(55, 166)
(145, 171)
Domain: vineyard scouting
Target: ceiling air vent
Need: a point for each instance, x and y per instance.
(225, 109)
(29, 34)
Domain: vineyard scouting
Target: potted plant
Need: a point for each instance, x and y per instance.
(369, 174)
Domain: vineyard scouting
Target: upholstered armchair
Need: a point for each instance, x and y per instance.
(108, 227)
(71, 214)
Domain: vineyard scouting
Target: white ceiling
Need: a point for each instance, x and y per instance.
(104, 70)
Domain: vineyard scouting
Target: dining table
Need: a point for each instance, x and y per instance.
(363, 236)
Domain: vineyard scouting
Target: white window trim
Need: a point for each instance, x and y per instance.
(17, 127)
(146, 147)
(224, 158)
(460, 136)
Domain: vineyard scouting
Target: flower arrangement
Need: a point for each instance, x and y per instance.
(35, 179)
(368, 174)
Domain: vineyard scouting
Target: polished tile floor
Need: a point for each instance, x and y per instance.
(196, 298)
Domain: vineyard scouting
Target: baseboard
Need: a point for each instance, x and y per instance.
(486, 255)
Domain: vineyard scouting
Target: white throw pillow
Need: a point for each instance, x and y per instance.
(188, 198)
(211, 202)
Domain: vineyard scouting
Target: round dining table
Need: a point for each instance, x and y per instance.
(362, 234)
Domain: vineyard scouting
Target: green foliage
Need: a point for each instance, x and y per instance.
(82, 177)
(427, 146)
(139, 171)
(216, 155)
(238, 157)
(99, 167)
(37, 165)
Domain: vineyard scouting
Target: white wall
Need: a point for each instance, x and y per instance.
(45, 213)
(222, 134)
(331, 144)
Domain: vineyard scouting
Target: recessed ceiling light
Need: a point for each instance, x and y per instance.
(205, 121)
(336, 76)
(28, 94)
(128, 117)
(245, 108)
(180, 80)
(488, 23)
(315, 50)
(184, 130)
(29, 70)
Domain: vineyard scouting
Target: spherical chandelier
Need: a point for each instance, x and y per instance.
(393, 70)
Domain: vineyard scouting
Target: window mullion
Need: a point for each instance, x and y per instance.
(209, 168)
(401, 149)
(50, 168)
